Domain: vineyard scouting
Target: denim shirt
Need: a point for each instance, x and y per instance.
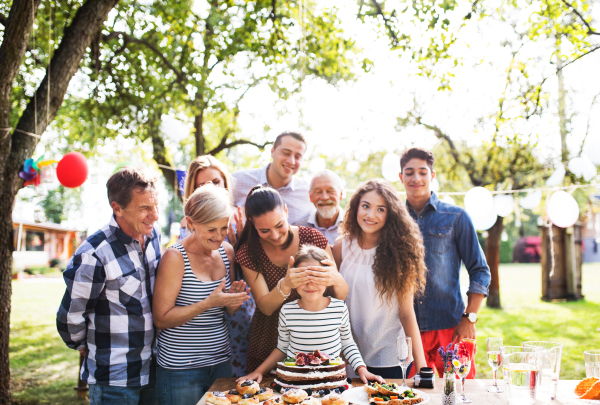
(449, 238)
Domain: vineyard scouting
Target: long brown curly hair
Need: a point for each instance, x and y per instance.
(399, 265)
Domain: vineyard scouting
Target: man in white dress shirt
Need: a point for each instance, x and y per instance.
(326, 215)
(287, 154)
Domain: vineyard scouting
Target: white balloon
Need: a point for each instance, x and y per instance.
(435, 185)
(531, 200)
(353, 166)
(558, 176)
(592, 148)
(485, 221)
(576, 166)
(582, 166)
(317, 164)
(563, 210)
(478, 202)
(448, 200)
(589, 168)
(504, 204)
(390, 167)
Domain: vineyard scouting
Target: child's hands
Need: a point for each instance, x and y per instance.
(255, 376)
(366, 376)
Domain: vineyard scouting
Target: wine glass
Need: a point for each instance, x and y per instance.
(493, 356)
(405, 357)
(462, 368)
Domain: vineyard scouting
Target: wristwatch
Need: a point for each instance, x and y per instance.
(471, 316)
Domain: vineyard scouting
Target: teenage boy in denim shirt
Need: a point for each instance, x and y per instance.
(450, 239)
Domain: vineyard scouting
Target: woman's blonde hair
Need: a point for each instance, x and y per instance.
(199, 164)
(207, 204)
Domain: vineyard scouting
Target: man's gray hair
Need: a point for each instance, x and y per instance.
(337, 182)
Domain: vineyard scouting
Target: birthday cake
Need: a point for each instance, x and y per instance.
(313, 371)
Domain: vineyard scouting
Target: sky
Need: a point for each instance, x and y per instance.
(360, 117)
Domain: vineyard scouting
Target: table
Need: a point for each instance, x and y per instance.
(476, 390)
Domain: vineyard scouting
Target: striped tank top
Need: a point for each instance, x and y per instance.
(203, 341)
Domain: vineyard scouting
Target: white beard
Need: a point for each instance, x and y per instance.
(327, 211)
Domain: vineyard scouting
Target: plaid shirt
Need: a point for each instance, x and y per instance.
(107, 306)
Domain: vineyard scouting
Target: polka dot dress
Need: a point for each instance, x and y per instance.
(263, 328)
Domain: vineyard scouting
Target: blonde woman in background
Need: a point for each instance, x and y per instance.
(203, 170)
(193, 290)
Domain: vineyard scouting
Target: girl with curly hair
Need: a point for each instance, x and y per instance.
(380, 254)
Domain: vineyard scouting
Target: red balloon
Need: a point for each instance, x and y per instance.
(72, 170)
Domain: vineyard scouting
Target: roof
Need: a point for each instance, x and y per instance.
(43, 225)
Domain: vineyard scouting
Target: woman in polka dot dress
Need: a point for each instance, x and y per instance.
(266, 251)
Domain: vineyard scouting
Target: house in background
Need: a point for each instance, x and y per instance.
(36, 244)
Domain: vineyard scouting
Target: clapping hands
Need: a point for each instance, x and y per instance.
(231, 299)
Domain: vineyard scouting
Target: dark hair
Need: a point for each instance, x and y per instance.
(416, 153)
(121, 184)
(310, 252)
(297, 136)
(260, 200)
(399, 265)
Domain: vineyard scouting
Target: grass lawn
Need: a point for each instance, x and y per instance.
(44, 370)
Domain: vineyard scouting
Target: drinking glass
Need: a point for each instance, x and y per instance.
(405, 356)
(521, 366)
(592, 363)
(493, 356)
(464, 366)
(551, 357)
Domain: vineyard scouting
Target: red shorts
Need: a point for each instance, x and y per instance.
(432, 341)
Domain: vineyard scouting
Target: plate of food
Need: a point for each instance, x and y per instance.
(384, 394)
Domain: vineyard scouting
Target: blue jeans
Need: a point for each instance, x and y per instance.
(186, 387)
(390, 372)
(107, 395)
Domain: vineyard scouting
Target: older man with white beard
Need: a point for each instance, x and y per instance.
(325, 193)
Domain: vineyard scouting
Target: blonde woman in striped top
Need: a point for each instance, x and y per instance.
(192, 292)
(314, 322)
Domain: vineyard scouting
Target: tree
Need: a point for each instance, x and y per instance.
(29, 123)
(60, 202)
(202, 66)
(163, 58)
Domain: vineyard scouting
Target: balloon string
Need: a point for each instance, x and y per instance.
(34, 67)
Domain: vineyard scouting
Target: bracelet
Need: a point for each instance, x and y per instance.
(359, 367)
(284, 296)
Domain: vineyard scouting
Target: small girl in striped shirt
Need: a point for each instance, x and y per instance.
(314, 322)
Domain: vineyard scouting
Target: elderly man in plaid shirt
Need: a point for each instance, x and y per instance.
(106, 310)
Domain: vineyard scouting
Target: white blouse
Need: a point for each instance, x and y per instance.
(375, 325)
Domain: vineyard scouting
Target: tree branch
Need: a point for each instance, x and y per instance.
(222, 146)
(386, 21)
(587, 131)
(131, 39)
(591, 31)
(3, 20)
(65, 63)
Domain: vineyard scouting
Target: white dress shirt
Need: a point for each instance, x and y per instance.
(294, 195)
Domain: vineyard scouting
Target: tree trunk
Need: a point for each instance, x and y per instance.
(562, 116)
(17, 146)
(160, 153)
(198, 121)
(492, 253)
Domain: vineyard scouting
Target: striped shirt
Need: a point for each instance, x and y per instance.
(327, 330)
(203, 341)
